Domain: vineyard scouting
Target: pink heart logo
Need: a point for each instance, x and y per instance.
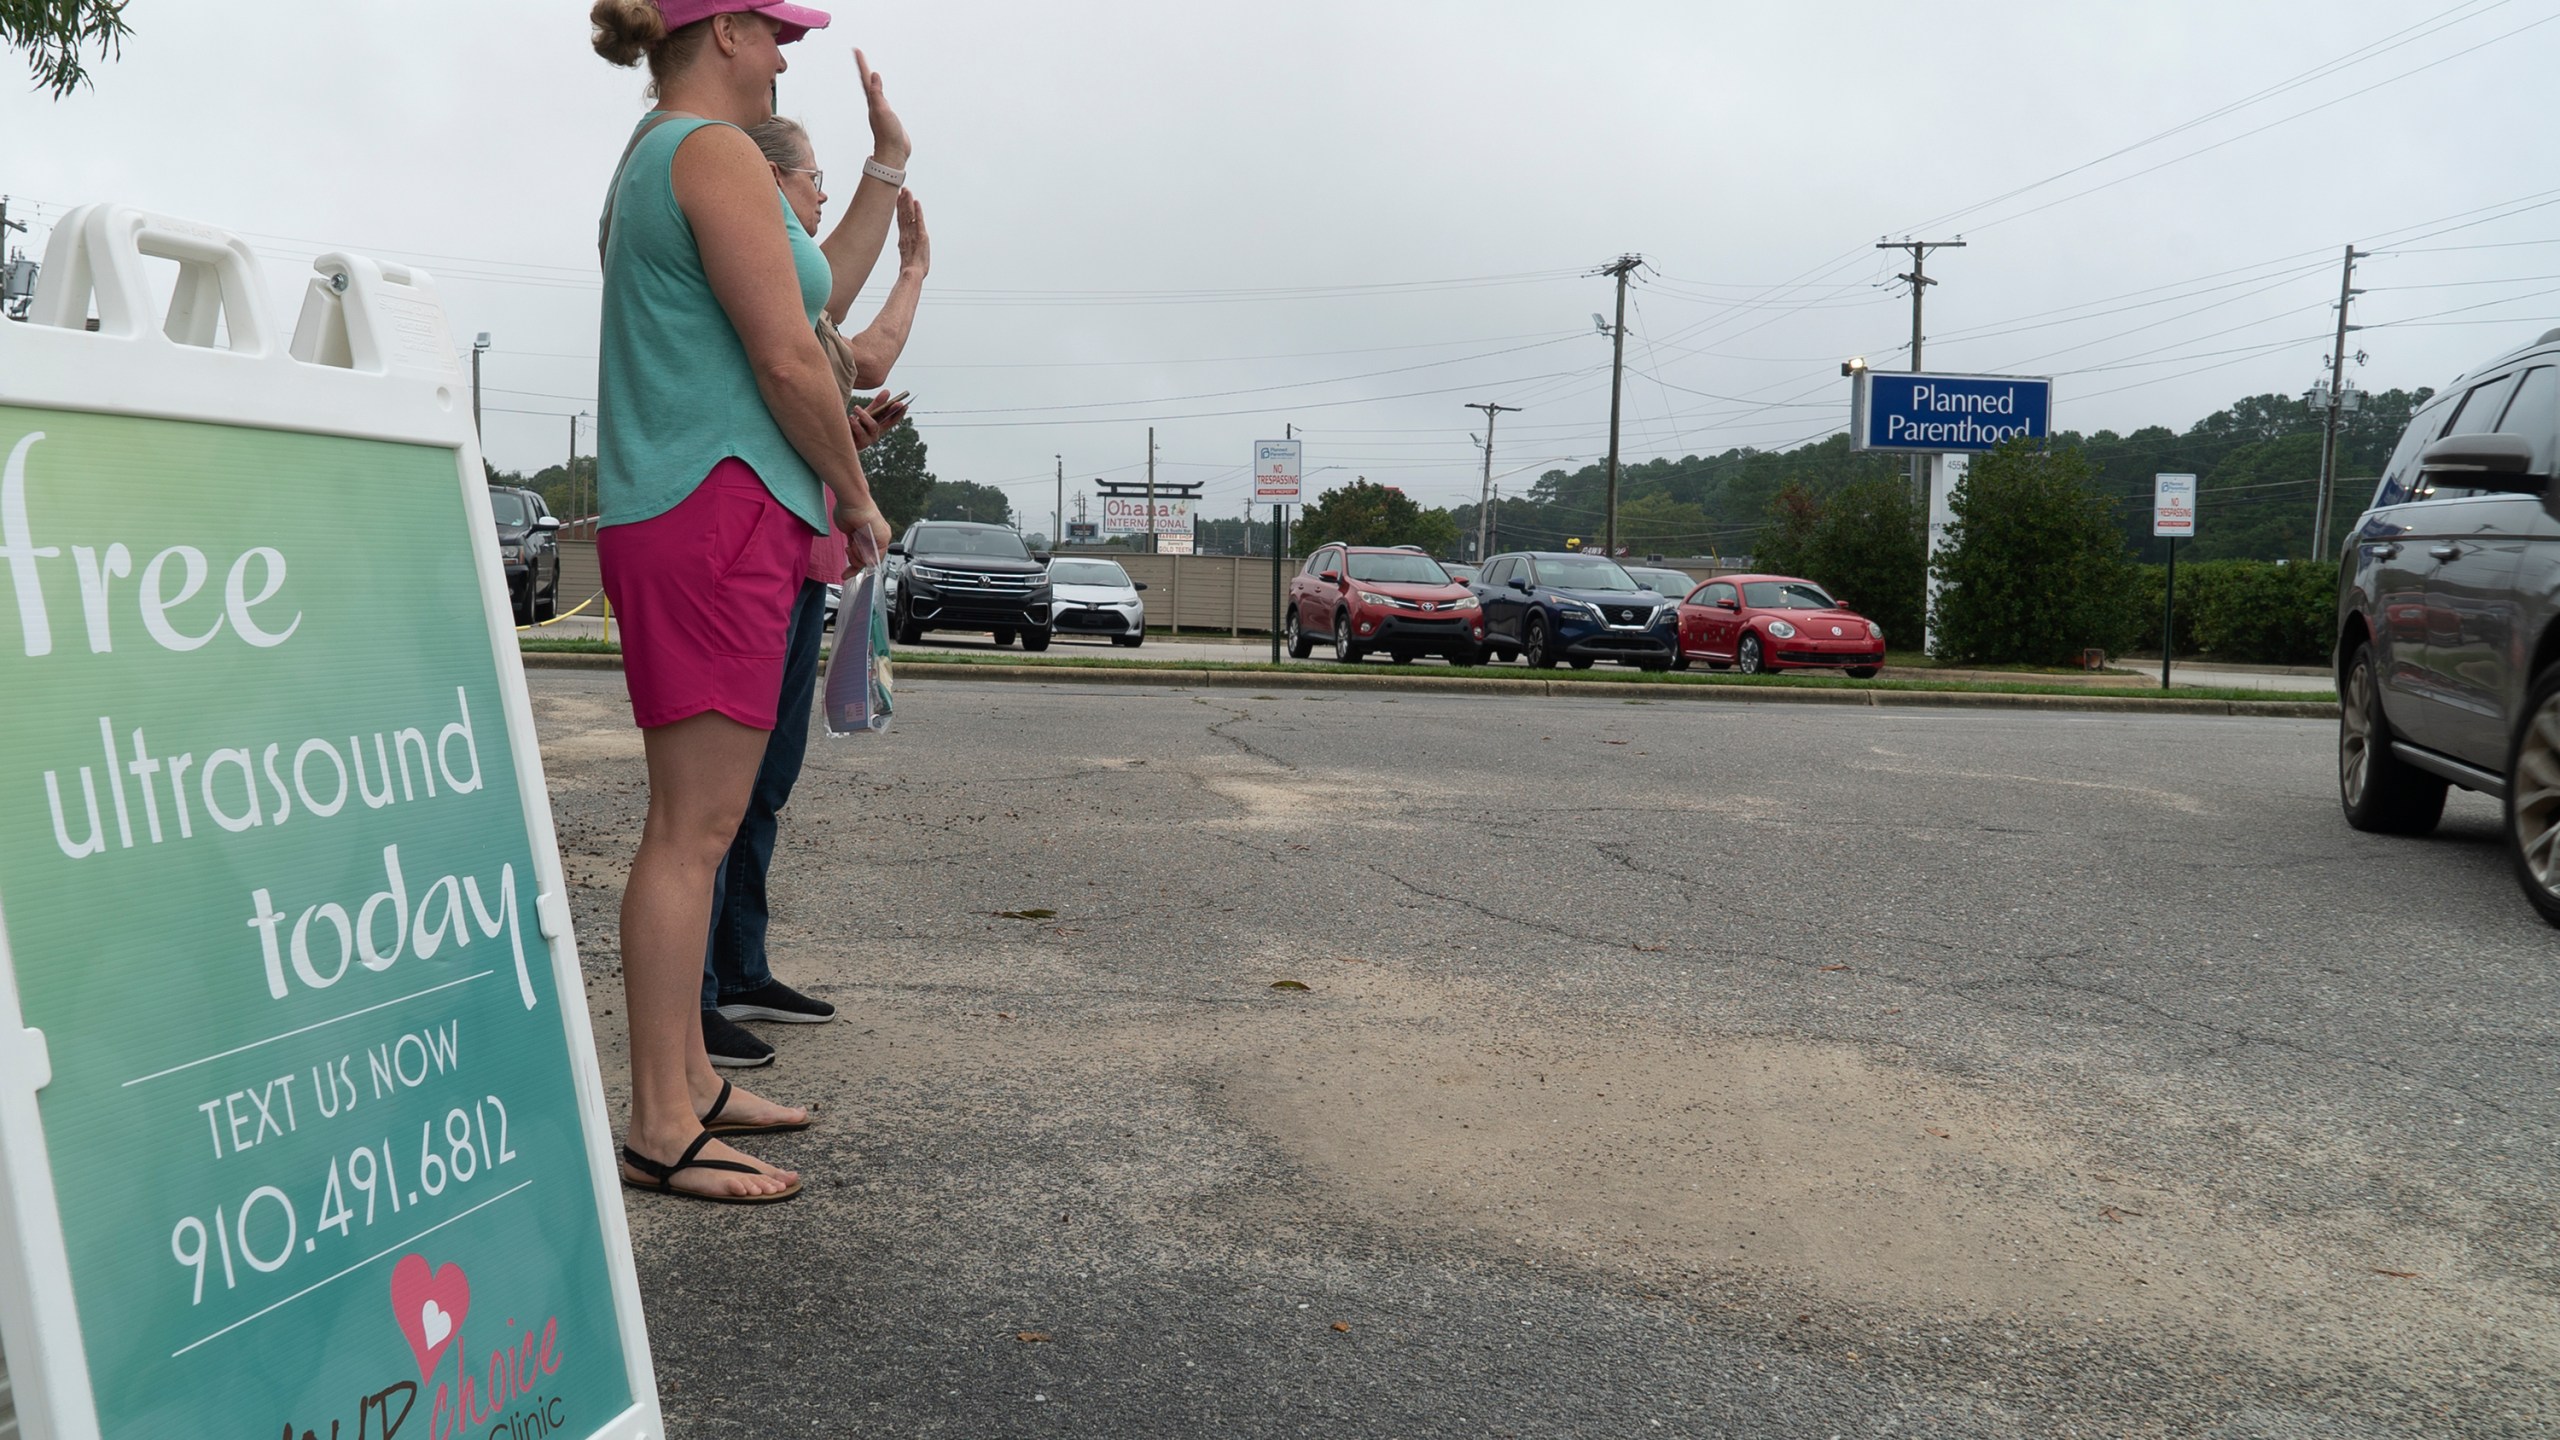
(430, 1306)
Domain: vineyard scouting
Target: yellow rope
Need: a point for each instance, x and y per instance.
(565, 614)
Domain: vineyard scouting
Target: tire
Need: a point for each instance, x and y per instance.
(1035, 641)
(1536, 651)
(1401, 657)
(903, 629)
(1681, 662)
(1864, 672)
(1004, 637)
(1468, 657)
(1301, 644)
(2379, 791)
(1748, 657)
(522, 605)
(2533, 796)
(1128, 642)
(1343, 650)
(1579, 663)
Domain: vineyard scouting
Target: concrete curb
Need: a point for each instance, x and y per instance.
(1426, 683)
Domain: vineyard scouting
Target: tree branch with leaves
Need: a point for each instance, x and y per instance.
(56, 36)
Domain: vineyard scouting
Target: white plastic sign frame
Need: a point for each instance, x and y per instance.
(370, 359)
(2173, 507)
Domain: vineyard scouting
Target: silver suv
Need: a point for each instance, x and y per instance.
(2448, 660)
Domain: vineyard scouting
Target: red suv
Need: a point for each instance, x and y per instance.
(1372, 597)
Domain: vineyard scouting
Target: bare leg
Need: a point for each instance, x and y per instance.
(700, 772)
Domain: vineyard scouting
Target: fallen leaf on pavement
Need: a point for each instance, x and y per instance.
(1934, 1130)
(1291, 985)
(1026, 914)
(1338, 1325)
(1835, 967)
(1032, 1337)
(1613, 742)
(2397, 1274)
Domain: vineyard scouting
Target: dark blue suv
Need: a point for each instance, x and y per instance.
(1546, 606)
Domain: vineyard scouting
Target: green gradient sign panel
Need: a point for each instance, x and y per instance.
(268, 889)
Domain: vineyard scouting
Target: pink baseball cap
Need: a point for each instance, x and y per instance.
(795, 20)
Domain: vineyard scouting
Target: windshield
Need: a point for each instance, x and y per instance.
(1584, 572)
(953, 540)
(1401, 568)
(509, 507)
(1786, 595)
(1665, 582)
(1088, 572)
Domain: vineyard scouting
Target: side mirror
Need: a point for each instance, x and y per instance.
(1330, 577)
(547, 522)
(1139, 584)
(1728, 604)
(897, 547)
(2484, 462)
(1518, 584)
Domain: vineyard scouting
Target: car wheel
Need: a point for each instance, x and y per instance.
(1301, 644)
(1681, 661)
(1343, 650)
(1749, 659)
(1864, 672)
(1035, 641)
(2533, 795)
(1004, 637)
(1579, 662)
(2378, 790)
(903, 628)
(1128, 642)
(1401, 657)
(1535, 649)
(522, 605)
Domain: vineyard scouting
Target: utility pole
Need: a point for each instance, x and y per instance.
(1484, 501)
(1058, 517)
(1918, 279)
(13, 303)
(2337, 398)
(1620, 269)
(479, 347)
(1151, 489)
(569, 477)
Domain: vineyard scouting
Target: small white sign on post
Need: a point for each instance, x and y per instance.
(1275, 470)
(2173, 507)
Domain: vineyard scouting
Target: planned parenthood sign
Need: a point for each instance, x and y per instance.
(1946, 414)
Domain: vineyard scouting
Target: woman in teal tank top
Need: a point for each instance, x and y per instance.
(722, 448)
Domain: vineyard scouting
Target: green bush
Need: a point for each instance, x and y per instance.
(2251, 612)
(2034, 565)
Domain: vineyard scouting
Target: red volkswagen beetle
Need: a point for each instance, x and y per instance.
(1759, 623)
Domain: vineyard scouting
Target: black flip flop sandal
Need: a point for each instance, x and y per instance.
(714, 1125)
(665, 1175)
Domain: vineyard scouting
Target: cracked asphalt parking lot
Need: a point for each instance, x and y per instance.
(1662, 1068)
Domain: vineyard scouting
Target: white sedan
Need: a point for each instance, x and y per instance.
(1093, 596)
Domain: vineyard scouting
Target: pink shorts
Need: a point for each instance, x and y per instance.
(703, 594)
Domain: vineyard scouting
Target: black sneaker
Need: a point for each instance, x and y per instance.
(776, 1001)
(731, 1045)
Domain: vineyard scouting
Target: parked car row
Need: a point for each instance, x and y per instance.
(956, 575)
(1578, 609)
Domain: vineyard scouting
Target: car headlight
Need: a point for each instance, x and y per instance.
(1372, 597)
(1577, 608)
(1875, 631)
(1782, 629)
(1667, 612)
(1465, 602)
(510, 550)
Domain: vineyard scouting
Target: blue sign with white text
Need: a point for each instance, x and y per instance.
(1939, 414)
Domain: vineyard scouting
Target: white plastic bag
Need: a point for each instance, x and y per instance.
(859, 693)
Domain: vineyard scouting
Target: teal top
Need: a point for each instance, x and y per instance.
(675, 395)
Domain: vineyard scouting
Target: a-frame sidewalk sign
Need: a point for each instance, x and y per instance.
(301, 1131)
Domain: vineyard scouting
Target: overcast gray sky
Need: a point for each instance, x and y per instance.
(1220, 218)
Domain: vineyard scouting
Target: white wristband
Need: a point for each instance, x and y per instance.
(882, 173)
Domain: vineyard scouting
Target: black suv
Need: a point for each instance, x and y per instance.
(2448, 661)
(952, 575)
(531, 550)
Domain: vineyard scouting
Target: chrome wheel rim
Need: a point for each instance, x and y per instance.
(2355, 734)
(1289, 628)
(2535, 810)
(1536, 649)
(1748, 661)
(1342, 638)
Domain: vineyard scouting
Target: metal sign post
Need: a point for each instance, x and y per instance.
(1275, 479)
(2173, 517)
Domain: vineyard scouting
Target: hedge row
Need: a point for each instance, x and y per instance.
(2256, 612)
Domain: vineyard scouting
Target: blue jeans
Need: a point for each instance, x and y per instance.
(734, 962)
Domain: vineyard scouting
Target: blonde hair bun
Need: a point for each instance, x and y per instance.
(626, 30)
